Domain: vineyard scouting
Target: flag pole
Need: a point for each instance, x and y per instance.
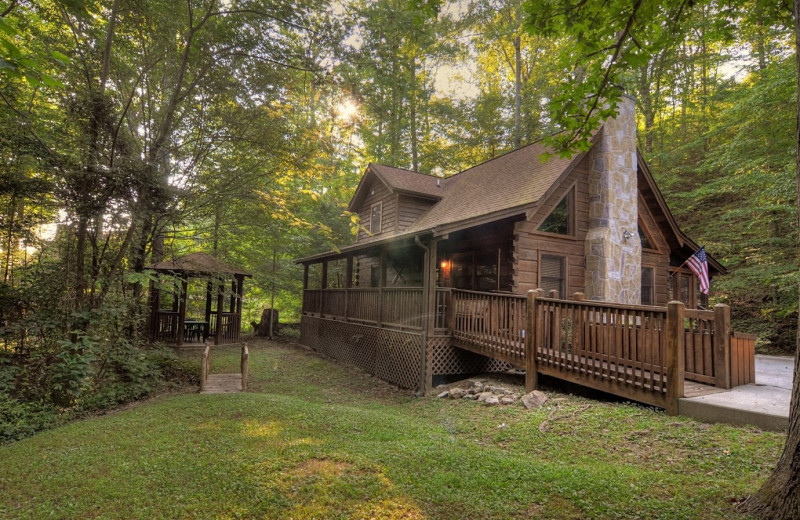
(684, 262)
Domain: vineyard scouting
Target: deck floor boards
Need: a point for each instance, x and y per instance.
(223, 384)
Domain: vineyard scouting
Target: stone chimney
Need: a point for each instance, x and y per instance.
(613, 247)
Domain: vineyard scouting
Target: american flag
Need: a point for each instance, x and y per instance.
(698, 263)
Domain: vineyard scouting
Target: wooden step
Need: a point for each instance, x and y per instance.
(223, 384)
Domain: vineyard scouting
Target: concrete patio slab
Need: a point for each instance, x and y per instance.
(764, 404)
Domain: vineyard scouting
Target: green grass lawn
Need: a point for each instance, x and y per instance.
(314, 439)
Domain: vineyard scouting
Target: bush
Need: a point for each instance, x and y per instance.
(19, 419)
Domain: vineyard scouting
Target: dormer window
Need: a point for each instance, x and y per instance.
(375, 218)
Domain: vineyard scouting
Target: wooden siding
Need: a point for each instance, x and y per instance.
(656, 257)
(409, 210)
(530, 244)
(388, 215)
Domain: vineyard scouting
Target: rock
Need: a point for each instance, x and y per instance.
(483, 396)
(476, 387)
(534, 399)
(492, 400)
(444, 394)
(471, 397)
(457, 393)
(507, 400)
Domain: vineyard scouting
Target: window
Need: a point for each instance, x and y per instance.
(375, 218)
(553, 274)
(648, 287)
(559, 221)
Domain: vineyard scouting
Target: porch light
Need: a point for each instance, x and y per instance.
(445, 264)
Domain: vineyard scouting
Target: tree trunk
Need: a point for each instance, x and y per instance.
(779, 497)
(272, 296)
(413, 122)
(517, 91)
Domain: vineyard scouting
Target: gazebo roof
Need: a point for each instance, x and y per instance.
(198, 264)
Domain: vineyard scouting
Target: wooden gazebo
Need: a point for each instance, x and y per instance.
(170, 325)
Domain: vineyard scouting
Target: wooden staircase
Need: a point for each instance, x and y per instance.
(223, 383)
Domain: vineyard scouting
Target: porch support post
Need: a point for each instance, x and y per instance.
(209, 294)
(675, 355)
(722, 346)
(531, 374)
(182, 311)
(430, 287)
(381, 283)
(239, 295)
(220, 302)
(155, 306)
(234, 292)
(323, 287)
(348, 283)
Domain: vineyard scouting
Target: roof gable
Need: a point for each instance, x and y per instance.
(511, 181)
(397, 180)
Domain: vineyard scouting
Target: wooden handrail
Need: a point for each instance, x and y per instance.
(244, 365)
(205, 367)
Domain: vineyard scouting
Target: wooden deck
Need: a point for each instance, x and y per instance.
(690, 389)
(647, 354)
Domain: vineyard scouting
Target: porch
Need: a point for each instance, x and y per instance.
(653, 355)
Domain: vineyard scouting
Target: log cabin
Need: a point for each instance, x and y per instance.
(437, 256)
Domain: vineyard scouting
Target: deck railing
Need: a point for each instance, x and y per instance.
(494, 323)
(390, 307)
(616, 348)
(633, 351)
(230, 324)
(165, 327)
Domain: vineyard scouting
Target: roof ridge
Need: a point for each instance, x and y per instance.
(405, 170)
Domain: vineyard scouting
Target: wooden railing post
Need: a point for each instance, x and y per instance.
(675, 355)
(245, 362)
(722, 346)
(531, 374)
(218, 328)
(348, 284)
(205, 366)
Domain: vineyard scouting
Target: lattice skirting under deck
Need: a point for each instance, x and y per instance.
(445, 359)
(392, 355)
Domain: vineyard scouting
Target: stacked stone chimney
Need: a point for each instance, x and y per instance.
(613, 248)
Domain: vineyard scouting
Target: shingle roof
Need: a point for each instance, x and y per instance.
(197, 263)
(512, 180)
(408, 180)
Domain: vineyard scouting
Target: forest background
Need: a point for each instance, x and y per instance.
(135, 130)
